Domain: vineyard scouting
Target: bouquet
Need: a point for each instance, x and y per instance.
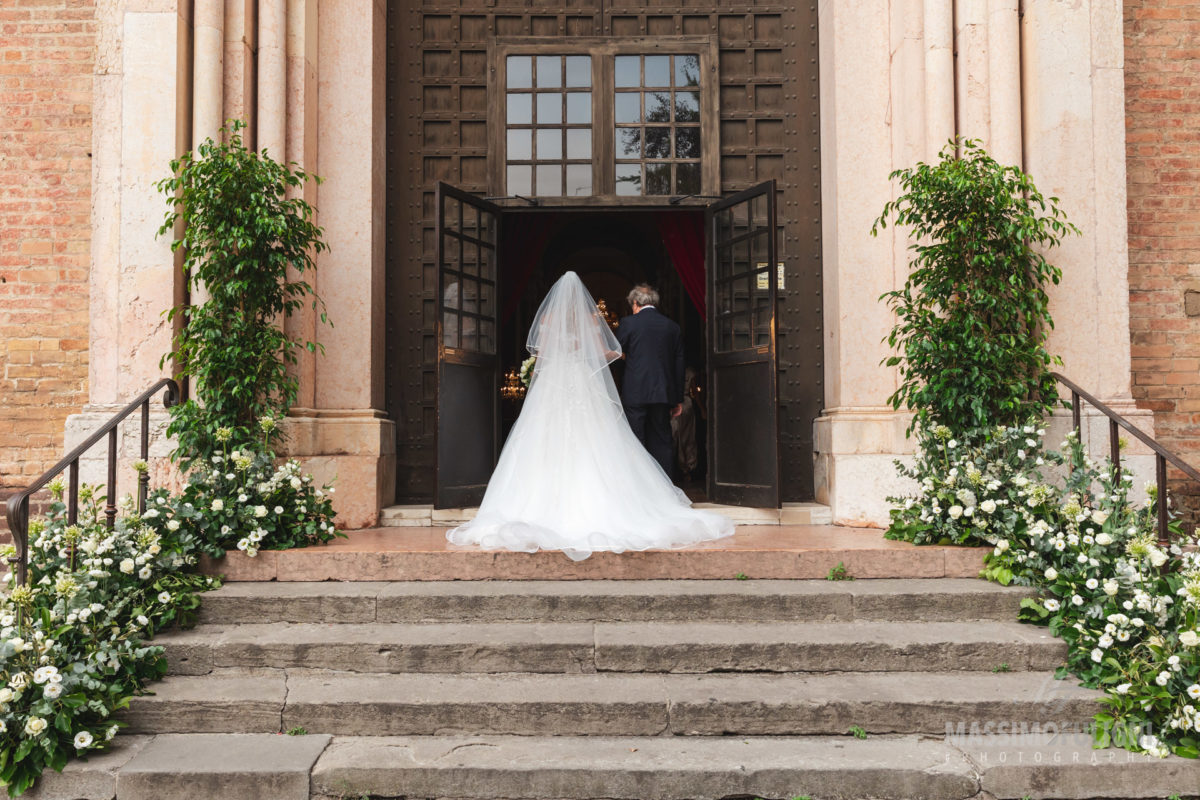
(527, 371)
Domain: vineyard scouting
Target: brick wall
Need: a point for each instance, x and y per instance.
(47, 51)
(1162, 86)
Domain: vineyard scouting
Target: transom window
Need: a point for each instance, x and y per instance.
(604, 117)
(657, 114)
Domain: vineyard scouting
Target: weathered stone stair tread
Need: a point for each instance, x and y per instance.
(604, 704)
(621, 646)
(641, 768)
(915, 599)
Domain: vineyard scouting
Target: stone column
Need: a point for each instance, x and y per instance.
(1004, 82)
(240, 43)
(208, 70)
(938, 38)
(347, 433)
(141, 110)
(272, 78)
(971, 69)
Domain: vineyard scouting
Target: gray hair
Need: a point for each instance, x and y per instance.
(642, 295)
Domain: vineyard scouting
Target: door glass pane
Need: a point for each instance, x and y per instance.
(549, 72)
(628, 71)
(629, 142)
(520, 144)
(687, 142)
(629, 179)
(520, 109)
(579, 108)
(628, 107)
(579, 143)
(486, 292)
(549, 180)
(549, 108)
(579, 71)
(520, 72)
(687, 70)
(470, 259)
(579, 180)
(658, 71)
(520, 179)
(658, 178)
(487, 269)
(450, 329)
(470, 301)
(725, 335)
(487, 336)
(549, 144)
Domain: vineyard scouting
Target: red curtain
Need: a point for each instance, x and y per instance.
(683, 235)
(525, 240)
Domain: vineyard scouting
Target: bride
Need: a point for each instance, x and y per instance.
(573, 476)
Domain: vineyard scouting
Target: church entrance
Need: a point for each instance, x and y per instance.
(712, 268)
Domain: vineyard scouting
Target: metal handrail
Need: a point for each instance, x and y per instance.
(1161, 454)
(18, 504)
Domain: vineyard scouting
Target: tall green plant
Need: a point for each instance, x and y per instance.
(247, 246)
(973, 316)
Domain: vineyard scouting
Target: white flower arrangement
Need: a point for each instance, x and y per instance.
(1128, 607)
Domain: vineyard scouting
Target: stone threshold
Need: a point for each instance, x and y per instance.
(754, 551)
(425, 516)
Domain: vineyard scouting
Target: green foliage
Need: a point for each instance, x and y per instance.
(858, 732)
(839, 573)
(72, 642)
(973, 316)
(248, 245)
(1004, 667)
(297, 732)
(741, 576)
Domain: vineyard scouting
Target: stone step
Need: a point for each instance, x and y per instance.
(914, 599)
(789, 514)
(616, 647)
(712, 768)
(356, 704)
(315, 767)
(757, 551)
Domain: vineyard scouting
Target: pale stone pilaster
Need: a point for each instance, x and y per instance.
(1004, 79)
(272, 77)
(938, 37)
(239, 46)
(208, 104)
(971, 69)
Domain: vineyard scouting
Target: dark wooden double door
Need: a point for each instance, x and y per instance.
(742, 391)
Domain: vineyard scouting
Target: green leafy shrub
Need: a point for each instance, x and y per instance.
(247, 244)
(72, 642)
(973, 315)
(242, 500)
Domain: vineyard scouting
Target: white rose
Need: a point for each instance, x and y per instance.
(1103, 539)
(173, 525)
(164, 597)
(1158, 557)
(988, 506)
(1189, 638)
(1092, 583)
(1162, 678)
(296, 483)
(278, 509)
(141, 620)
(127, 566)
(260, 511)
(1097, 655)
(1076, 600)
(1111, 588)
(53, 690)
(1194, 691)
(84, 613)
(1051, 573)
(1099, 516)
(1002, 545)
(955, 512)
(1051, 605)
(6, 695)
(218, 505)
(1124, 688)
(145, 572)
(35, 726)
(83, 740)
(153, 549)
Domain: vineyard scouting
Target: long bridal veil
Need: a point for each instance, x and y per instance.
(572, 475)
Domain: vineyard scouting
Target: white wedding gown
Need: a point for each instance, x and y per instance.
(572, 476)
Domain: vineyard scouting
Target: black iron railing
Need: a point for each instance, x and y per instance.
(1162, 456)
(18, 504)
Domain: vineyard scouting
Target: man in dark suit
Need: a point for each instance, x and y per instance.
(652, 391)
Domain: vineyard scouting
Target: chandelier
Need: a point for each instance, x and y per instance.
(607, 315)
(512, 389)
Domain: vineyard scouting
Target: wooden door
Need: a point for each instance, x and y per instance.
(743, 432)
(468, 410)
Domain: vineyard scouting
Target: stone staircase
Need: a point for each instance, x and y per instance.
(634, 689)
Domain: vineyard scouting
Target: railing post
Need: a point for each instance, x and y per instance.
(144, 475)
(1160, 475)
(73, 493)
(1075, 414)
(110, 499)
(1114, 450)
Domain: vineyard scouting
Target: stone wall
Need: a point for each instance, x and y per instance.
(1162, 85)
(47, 52)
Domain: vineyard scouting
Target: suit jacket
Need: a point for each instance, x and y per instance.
(653, 347)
